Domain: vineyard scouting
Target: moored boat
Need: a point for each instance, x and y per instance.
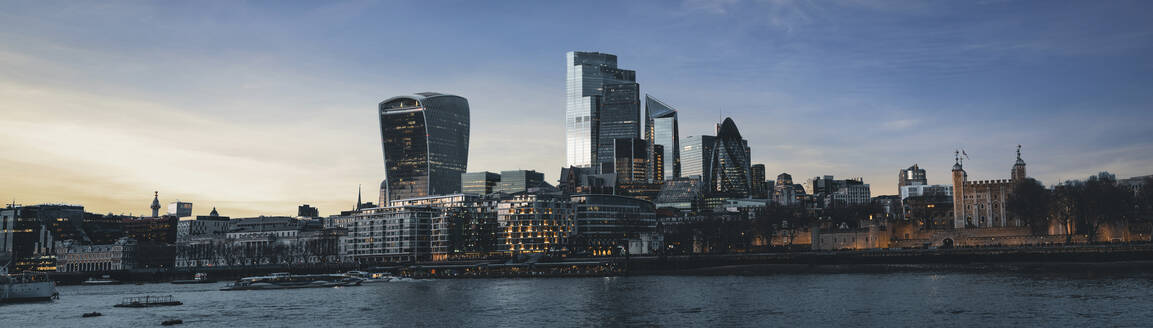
(148, 301)
(371, 277)
(289, 281)
(103, 280)
(28, 286)
(198, 278)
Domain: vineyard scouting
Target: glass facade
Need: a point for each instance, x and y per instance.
(520, 180)
(606, 222)
(696, 154)
(620, 117)
(479, 183)
(730, 162)
(425, 143)
(661, 130)
(630, 159)
(587, 75)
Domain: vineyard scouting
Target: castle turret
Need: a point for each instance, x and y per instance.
(959, 177)
(1019, 167)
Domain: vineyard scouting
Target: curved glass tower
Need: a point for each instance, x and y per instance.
(730, 167)
(425, 142)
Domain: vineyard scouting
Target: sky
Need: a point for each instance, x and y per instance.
(256, 107)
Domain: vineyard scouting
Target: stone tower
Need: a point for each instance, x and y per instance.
(959, 177)
(1018, 167)
(155, 204)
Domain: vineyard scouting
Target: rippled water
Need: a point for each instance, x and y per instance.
(894, 299)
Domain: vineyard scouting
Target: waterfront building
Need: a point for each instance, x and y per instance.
(211, 226)
(757, 183)
(425, 142)
(263, 241)
(604, 224)
(520, 180)
(661, 129)
(180, 209)
(28, 233)
(480, 183)
(981, 204)
(591, 79)
(696, 157)
(463, 228)
(302, 211)
(912, 176)
(534, 223)
(730, 162)
(392, 234)
(75, 257)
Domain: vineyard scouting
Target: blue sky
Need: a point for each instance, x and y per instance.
(255, 107)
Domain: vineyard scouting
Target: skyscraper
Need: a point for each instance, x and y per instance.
(696, 154)
(661, 130)
(425, 142)
(589, 77)
(730, 168)
(757, 182)
(520, 180)
(620, 118)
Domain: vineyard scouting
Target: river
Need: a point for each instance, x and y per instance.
(924, 299)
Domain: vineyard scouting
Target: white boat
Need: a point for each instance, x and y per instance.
(104, 280)
(371, 277)
(30, 286)
(289, 281)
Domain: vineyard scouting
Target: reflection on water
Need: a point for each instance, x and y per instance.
(900, 299)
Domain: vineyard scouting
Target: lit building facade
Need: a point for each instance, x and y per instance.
(534, 223)
(757, 182)
(587, 76)
(479, 183)
(662, 131)
(425, 142)
(520, 180)
(393, 234)
(912, 176)
(631, 160)
(606, 223)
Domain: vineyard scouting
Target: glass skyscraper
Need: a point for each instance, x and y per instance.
(601, 100)
(696, 157)
(730, 162)
(479, 183)
(520, 180)
(425, 142)
(661, 130)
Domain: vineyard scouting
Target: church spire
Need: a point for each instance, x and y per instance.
(213, 213)
(358, 202)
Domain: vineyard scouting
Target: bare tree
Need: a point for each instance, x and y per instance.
(1030, 202)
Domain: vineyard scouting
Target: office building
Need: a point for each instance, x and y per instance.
(520, 180)
(730, 168)
(534, 223)
(912, 176)
(757, 183)
(592, 81)
(479, 183)
(425, 142)
(662, 131)
(696, 157)
(180, 209)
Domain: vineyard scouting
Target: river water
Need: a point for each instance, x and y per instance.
(923, 299)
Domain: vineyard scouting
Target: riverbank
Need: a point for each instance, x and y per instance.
(1039, 259)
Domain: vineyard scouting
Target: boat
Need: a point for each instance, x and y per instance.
(148, 301)
(103, 280)
(199, 278)
(289, 281)
(371, 277)
(27, 286)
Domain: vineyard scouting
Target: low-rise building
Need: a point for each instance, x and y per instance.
(74, 257)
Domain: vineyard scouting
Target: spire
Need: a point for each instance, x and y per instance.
(957, 160)
(358, 197)
(155, 204)
(1019, 160)
(213, 213)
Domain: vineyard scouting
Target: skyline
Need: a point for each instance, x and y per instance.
(101, 112)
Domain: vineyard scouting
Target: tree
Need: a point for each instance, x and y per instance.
(1104, 202)
(1030, 202)
(1065, 207)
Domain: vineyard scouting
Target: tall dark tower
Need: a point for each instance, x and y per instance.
(425, 142)
(1019, 167)
(730, 162)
